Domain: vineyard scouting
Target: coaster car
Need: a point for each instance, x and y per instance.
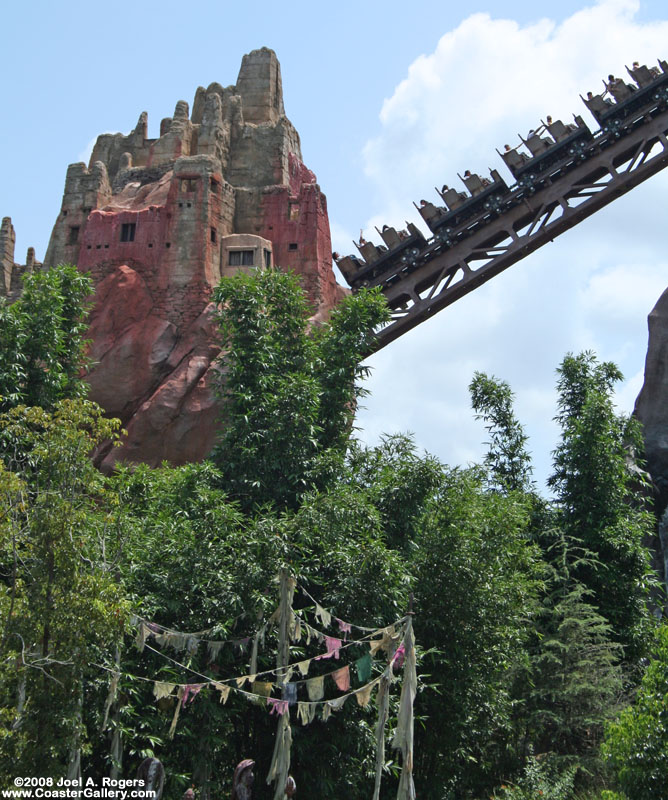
(460, 207)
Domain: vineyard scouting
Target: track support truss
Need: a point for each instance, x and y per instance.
(532, 215)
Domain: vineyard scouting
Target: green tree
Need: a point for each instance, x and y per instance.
(290, 390)
(61, 607)
(41, 339)
(185, 532)
(598, 503)
(477, 578)
(399, 481)
(507, 459)
(575, 677)
(636, 745)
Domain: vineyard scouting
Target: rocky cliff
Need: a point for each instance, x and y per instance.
(652, 410)
(157, 222)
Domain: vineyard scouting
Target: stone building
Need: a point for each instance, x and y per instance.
(157, 222)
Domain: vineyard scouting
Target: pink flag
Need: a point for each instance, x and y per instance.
(278, 707)
(342, 678)
(333, 645)
(399, 656)
(192, 689)
(344, 627)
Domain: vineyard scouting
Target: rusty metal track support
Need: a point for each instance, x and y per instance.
(444, 272)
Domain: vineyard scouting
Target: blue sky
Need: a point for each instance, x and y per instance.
(390, 99)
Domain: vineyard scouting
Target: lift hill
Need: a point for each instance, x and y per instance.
(567, 174)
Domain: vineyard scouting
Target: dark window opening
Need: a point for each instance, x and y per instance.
(106, 247)
(86, 210)
(65, 212)
(214, 185)
(188, 184)
(150, 244)
(73, 235)
(168, 244)
(88, 247)
(189, 204)
(293, 246)
(213, 235)
(267, 258)
(241, 258)
(128, 231)
(98, 247)
(180, 205)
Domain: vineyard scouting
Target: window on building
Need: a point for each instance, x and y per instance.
(128, 231)
(293, 246)
(267, 258)
(213, 235)
(241, 258)
(215, 186)
(294, 211)
(73, 234)
(189, 184)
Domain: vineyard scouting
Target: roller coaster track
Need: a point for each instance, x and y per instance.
(428, 275)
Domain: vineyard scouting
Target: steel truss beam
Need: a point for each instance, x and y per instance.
(444, 271)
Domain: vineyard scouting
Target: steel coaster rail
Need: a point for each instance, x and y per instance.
(428, 275)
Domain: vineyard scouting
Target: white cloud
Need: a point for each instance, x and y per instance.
(593, 288)
(610, 293)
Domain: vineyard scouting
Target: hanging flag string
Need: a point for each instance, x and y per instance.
(186, 693)
(282, 671)
(371, 631)
(396, 640)
(323, 614)
(165, 689)
(135, 618)
(180, 640)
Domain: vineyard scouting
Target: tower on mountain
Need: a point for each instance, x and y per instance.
(157, 222)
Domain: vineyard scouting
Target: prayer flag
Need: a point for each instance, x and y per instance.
(315, 688)
(306, 712)
(363, 667)
(224, 691)
(398, 658)
(290, 693)
(323, 615)
(191, 690)
(338, 702)
(278, 707)
(342, 678)
(161, 689)
(363, 695)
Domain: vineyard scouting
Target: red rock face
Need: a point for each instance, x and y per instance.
(295, 219)
(151, 374)
(156, 223)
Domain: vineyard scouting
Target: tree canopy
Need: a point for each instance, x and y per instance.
(531, 614)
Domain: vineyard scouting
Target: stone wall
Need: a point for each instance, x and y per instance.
(11, 273)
